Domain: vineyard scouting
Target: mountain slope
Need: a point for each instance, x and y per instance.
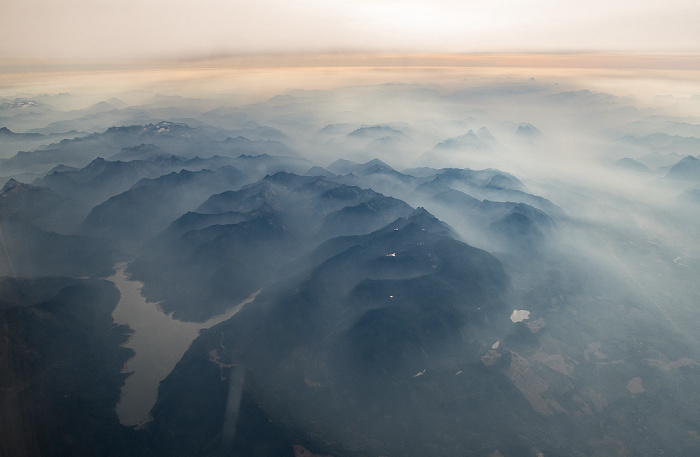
(347, 336)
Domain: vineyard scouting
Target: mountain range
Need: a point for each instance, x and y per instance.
(347, 306)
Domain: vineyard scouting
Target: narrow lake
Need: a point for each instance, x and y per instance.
(158, 341)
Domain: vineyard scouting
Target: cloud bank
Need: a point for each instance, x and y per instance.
(109, 31)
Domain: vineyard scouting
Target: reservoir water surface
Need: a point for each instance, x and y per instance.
(158, 341)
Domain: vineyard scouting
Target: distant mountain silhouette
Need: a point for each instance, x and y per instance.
(687, 169)
(632, 165)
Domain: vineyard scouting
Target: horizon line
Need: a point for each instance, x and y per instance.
(572, 59)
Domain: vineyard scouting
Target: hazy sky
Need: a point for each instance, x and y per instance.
(124, 30)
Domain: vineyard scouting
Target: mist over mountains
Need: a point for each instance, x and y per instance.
(356, 264)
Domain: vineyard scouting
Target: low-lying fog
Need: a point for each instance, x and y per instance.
(612, 170)
(606, 158)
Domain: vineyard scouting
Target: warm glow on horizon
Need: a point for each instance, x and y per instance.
(266, 47)
(254, 76)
